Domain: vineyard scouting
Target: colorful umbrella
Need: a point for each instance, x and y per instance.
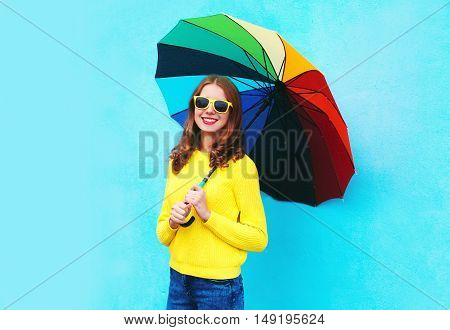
(294, 131)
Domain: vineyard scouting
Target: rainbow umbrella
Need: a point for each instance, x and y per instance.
(293, 129)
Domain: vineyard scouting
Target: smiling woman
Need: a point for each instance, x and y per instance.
(206, 257)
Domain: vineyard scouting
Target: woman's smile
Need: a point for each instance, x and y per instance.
(209, 120)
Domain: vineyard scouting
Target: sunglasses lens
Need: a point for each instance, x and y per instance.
(221, 106)
(201, 102)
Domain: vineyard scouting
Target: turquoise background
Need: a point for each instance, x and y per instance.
(69, 141)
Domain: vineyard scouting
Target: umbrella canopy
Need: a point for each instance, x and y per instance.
(294, 131)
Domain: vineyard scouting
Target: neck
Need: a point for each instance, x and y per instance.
(207, 140)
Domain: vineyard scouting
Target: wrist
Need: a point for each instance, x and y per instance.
(206, 216)
(173, 225)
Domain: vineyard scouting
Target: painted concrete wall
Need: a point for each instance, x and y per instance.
(77, 218)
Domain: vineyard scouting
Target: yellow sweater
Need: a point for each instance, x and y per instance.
(217, 248)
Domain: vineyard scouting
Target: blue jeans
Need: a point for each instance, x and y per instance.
(190, 292)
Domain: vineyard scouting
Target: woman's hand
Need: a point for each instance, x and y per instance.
(178, 214)
(196, 196)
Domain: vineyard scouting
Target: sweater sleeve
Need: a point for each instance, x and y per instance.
(164, 232)
(250, 233)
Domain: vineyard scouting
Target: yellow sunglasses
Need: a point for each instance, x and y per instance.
(219, 106)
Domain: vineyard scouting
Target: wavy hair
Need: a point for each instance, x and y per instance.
(229, 141)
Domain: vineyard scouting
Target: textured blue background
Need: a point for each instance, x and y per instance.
(69, 142)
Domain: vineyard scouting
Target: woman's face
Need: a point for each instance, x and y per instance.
(208, 119)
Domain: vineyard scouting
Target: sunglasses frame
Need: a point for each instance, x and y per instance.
(213, 102)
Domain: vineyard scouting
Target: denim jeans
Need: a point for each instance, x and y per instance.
(190, 292)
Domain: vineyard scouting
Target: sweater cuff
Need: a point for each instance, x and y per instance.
(170, 228)
(213, 219)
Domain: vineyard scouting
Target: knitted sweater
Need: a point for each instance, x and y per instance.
(217, 248)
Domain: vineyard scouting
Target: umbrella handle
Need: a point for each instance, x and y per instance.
(201, 184)
(187, 223)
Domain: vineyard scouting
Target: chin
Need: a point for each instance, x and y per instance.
(209, 129)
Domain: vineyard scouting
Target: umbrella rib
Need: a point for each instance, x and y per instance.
(262, 87)
(265, 63)
(268, 99)
(253, 105)
(294, 107)
(279, 112)
(257, 42)
(311, 108)
(176, 113)
(260, 111)
(301, 93)
(298, 76)
(246, 54)
(255, 94)
(221, 36)
(325, 114)
(318, 91)
(313, 91)
(282, 63)
(256, 103)
(284, 60)
(308, 119)
(254, 87)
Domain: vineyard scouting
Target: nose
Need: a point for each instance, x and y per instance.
(209, 110)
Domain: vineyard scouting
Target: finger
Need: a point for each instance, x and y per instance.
(179, 213)
(176, 220)
(187, 204)
(181, 208)
(192, 195)
(196, 187)
(186, 209)
(180, 204)
(191, 201)
(183, 205)
(177, 217)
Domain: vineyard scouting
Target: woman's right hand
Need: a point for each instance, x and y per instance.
(178, 214)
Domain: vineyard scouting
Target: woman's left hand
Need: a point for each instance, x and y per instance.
(197, 197)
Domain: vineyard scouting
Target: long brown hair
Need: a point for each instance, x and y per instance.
(229, 142)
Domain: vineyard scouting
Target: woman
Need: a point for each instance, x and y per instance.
(206, 256)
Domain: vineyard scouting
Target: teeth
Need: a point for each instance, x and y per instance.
(209, 120)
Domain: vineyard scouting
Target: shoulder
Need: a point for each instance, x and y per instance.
(244, 167)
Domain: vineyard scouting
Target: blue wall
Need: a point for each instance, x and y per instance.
(69, 141)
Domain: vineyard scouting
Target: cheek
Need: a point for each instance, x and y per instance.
(224, 120)
(197, 117)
